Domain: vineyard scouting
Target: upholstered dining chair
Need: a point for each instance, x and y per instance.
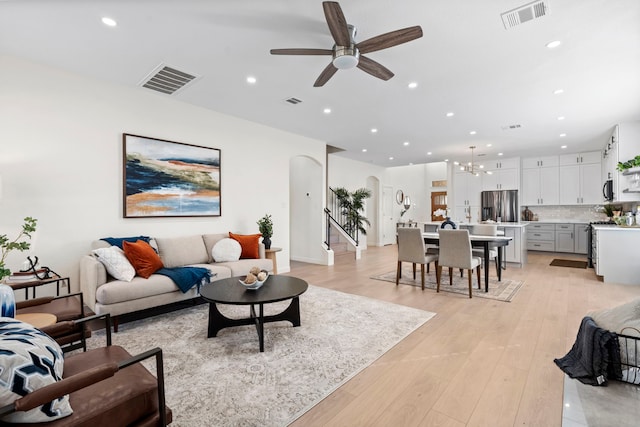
(455, 252)
(486, 230)
(411, 249)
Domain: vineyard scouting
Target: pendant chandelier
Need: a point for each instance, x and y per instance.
(472, 167)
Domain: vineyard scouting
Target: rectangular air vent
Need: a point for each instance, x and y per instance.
(293, 101)
(522, 14)
(167, 79)
(508, 127)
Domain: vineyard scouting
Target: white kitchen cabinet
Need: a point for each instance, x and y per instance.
(541, 237)
(504, 174)
(580, 158)
(540, 162)
(611, 260)
(564, 238)
(581, 233)
(540, 186)
(580, 176)
(466, 196)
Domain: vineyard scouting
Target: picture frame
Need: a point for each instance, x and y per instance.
(164, 178)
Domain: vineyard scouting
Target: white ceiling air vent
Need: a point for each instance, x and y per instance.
(522, 14)
(167, 79)
(508, 127)
(293, 101)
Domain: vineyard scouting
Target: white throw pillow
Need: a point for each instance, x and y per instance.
(116, 263)
(226, 249)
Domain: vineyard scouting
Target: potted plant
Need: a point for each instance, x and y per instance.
(631, 163)
(265, 226)
(18, 244)
(352, 204)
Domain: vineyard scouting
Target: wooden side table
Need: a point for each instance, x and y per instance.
(271, 254)
(33, 284)
(39, 320)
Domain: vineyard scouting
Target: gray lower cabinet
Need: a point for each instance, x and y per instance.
(541, 237)
(581, 233)
(564, 238)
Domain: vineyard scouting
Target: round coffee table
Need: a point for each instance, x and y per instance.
(231, 291)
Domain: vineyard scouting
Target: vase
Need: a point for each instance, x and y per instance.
(267, 242)
(7, 301)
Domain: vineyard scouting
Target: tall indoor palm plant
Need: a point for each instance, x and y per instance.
(351, 205)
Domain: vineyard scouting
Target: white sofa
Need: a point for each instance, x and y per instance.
(104, 294)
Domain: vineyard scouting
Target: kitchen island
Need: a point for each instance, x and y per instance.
(615, 254)
(515, 253)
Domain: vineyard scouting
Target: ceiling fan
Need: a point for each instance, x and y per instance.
(346, 52)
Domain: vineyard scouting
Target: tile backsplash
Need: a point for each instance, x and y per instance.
(573, 213)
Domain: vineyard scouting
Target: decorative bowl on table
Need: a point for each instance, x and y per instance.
(257, 284)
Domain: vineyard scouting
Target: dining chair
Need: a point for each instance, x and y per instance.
(455, 252)
(411, 249)
(486, 230)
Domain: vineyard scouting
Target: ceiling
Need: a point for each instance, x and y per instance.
(467, 63)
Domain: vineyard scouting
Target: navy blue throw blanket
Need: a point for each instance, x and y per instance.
(594, 357)
(117, 241)
(187, 277)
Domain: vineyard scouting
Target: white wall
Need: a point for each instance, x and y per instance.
(415, 181)
(61, 162)
(306, 210)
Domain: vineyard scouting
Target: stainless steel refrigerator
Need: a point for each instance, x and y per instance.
(500, 205)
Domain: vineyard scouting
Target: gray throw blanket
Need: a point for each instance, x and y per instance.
(594, 357)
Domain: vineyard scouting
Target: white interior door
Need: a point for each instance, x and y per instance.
(389, 226)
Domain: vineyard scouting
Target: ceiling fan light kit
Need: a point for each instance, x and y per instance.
(346, 52)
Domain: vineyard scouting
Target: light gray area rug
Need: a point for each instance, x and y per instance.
(226, 381)
(503, 290)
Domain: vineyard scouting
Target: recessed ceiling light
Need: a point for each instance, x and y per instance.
(450, 114)
(251, 80)
(562, 135)
(563, 146)
(500, 154)
(561, 118)
(374, 130)
(553, 44)
(429, 153)
(446, 160)
(109, 22)
(390, 158)
(364, 150)
(456, 163)
(489, 145)
(558, 91)
(327, 110)
(405, 143)
(410, 164)
(412, 85)
(473, 132)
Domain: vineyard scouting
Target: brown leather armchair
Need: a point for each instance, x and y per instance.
(106, 386)
(66, 307)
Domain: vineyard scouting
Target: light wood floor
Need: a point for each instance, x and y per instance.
(478, 362)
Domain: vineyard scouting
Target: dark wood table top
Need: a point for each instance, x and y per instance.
(231, 291)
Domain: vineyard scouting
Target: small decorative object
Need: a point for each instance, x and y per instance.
(406, 203)
(265, 226)
(399, 197)
(608, 211)
(7, 245)
(7, 301)
(254, 281)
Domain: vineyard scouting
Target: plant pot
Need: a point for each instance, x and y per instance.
(267, 242)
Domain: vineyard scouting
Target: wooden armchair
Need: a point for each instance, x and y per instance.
(106, 386)
(66, 307)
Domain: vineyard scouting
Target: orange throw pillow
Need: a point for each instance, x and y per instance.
(143, 258)
(248, 243)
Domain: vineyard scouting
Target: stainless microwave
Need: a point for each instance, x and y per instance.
(607, 190)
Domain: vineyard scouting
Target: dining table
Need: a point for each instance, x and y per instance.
(484, 242)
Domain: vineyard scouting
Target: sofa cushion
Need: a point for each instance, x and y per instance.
(210, 240)
(226, 250)
(143, 258)
(116, 262)
(242, 267)
(118, 241)
(249, 243)
(181, 251)
(29, 360)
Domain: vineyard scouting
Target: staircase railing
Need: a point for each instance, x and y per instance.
(341, 217)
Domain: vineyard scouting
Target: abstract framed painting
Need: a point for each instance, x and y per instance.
(169, 179)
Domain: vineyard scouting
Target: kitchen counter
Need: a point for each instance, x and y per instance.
(469, 224)
(615, 254)
(566, 221)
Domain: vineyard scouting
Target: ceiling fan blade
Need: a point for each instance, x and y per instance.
(301, 51)
(374, 68)
(393, 38)
(326, 74)
(337, 23)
